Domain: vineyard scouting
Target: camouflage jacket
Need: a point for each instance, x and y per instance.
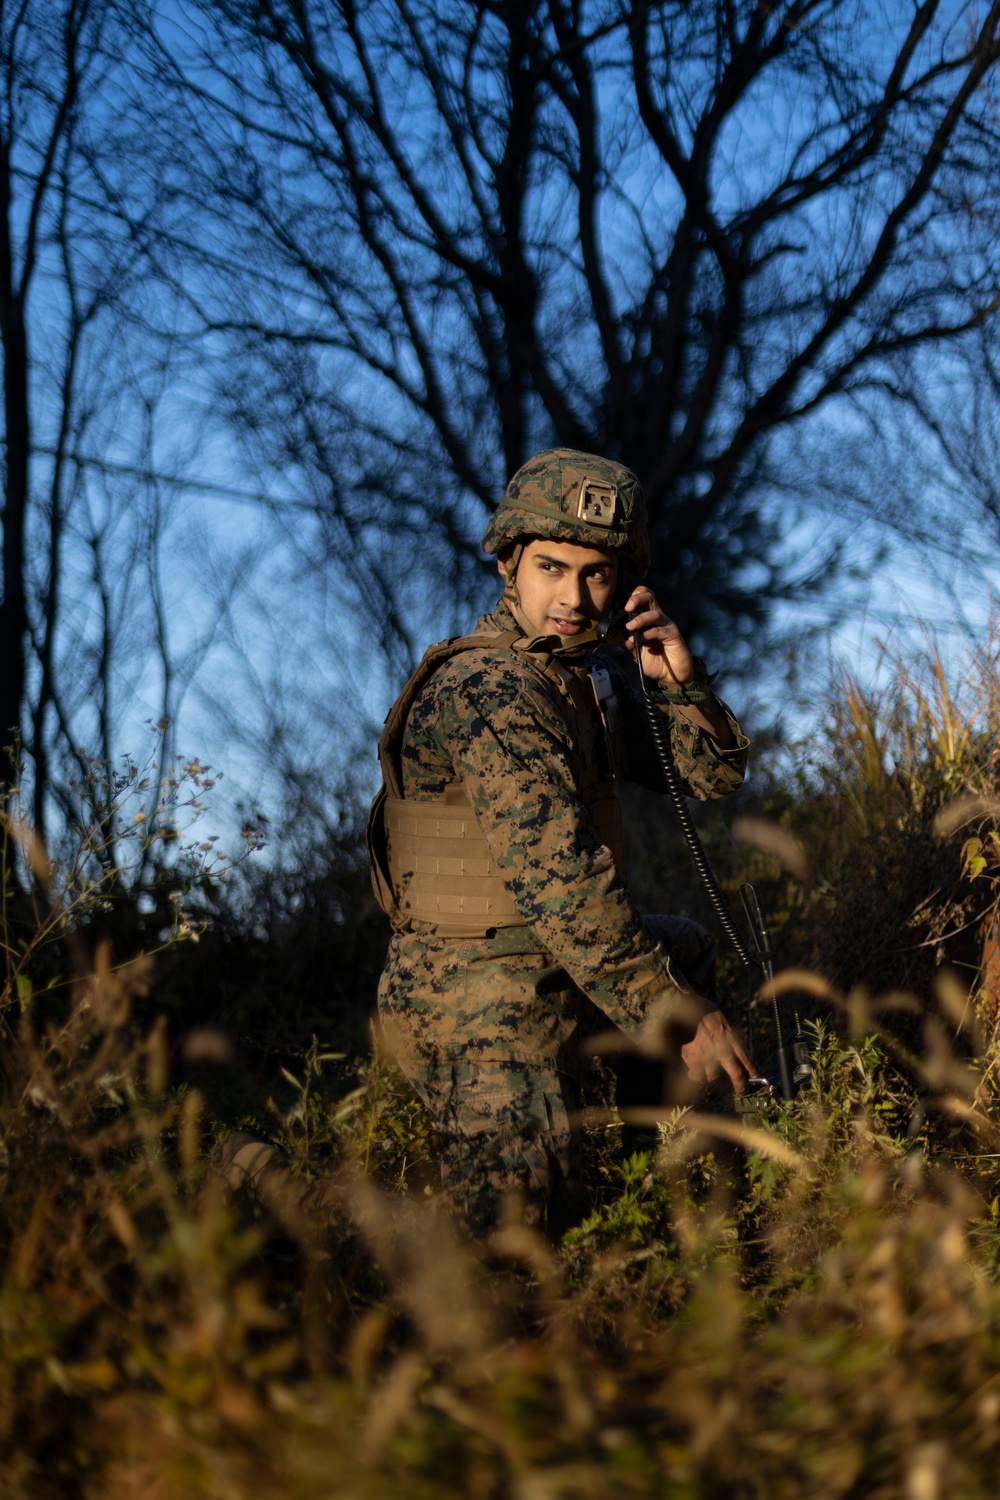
(490, 720)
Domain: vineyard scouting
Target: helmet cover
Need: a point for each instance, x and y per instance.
(574, 497)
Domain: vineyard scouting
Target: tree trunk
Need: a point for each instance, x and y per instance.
(13, 609)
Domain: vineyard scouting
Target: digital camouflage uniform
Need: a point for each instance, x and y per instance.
(487, 1024)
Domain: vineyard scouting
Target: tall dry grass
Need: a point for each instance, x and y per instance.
(812, 1308)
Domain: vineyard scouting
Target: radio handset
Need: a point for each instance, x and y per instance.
(611, 631)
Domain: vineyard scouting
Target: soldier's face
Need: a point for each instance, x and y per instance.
(564, 588)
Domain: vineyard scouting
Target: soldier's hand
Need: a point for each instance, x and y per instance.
(715, 1048)
(665, 655)
(667, 661)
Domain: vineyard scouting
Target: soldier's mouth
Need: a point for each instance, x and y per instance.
(568, 627)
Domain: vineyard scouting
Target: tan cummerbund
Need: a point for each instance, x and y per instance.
(441, 865)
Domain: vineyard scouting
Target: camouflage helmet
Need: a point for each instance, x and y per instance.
(574, 497)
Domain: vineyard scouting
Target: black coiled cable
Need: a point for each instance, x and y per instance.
(760, 968)
(661, 739)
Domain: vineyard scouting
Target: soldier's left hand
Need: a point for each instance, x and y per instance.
(665, 655)
(715, 1049)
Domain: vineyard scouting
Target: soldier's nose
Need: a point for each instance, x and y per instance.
(572, 594)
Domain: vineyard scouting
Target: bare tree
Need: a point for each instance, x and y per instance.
(397, 246)
(680, 232)
(84, 373)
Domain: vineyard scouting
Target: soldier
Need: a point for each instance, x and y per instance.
(496, 843)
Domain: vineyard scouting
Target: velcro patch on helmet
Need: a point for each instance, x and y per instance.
(596, 503)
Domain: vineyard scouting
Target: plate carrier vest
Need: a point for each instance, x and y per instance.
(429, 859)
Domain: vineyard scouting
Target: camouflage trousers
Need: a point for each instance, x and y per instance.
(491, 1040)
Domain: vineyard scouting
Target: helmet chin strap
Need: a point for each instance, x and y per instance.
(510, 594)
